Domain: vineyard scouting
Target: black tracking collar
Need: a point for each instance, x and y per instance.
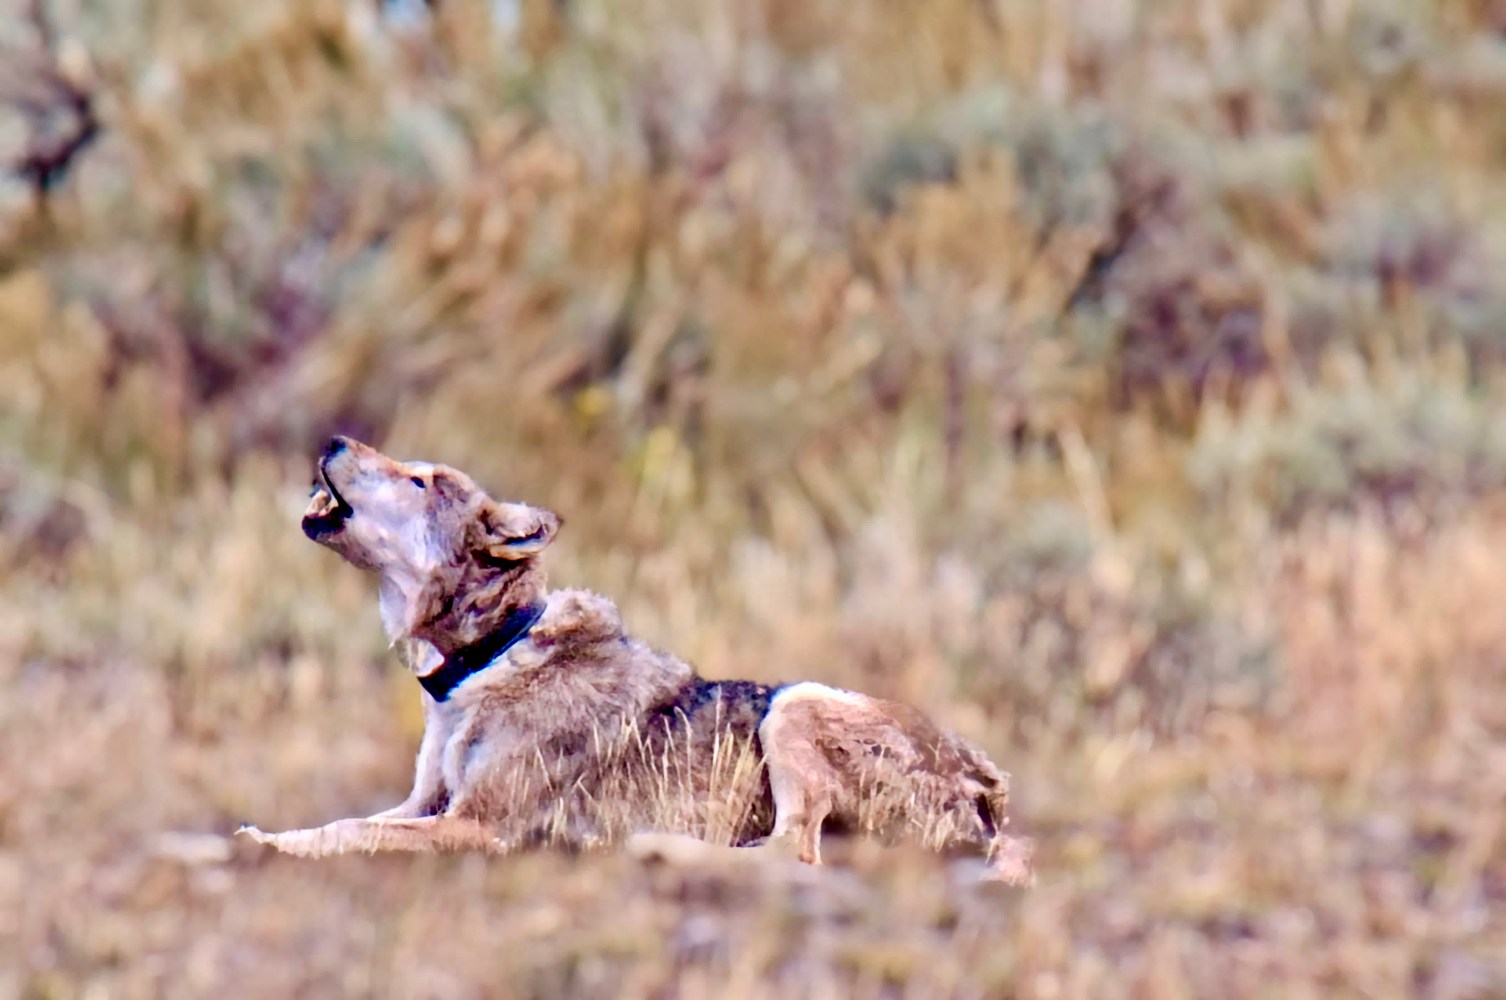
(466, 660)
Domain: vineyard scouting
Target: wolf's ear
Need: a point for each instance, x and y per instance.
(514, 531)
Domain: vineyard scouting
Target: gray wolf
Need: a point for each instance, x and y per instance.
(544, 720)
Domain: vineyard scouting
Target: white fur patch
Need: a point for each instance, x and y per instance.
(810, 689)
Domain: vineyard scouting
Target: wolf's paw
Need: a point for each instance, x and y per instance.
(783, 845)
(301, 843)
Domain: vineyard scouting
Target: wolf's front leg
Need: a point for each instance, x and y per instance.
(429, 794)
(425, 833)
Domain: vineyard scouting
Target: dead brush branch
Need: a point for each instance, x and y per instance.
(52, 87)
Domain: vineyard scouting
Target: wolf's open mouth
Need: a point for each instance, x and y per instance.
(327, 510)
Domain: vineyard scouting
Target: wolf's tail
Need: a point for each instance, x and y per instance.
(1010, 859)
(993, 806)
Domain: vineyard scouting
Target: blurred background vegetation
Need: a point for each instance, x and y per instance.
(1119, 380)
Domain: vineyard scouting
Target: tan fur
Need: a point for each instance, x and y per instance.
(584, 734)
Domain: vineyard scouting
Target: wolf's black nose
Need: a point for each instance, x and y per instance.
(334, 446)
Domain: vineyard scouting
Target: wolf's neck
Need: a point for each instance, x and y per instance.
(477, 605)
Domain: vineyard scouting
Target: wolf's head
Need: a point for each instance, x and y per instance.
(450, 558)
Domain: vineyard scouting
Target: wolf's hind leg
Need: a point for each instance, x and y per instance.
(801, 784)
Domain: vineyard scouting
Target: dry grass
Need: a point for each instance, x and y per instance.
(1117, 381)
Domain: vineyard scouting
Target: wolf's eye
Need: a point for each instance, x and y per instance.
(418, 481)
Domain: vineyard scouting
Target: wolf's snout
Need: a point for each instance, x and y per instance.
(333, 447)
(328, 509)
